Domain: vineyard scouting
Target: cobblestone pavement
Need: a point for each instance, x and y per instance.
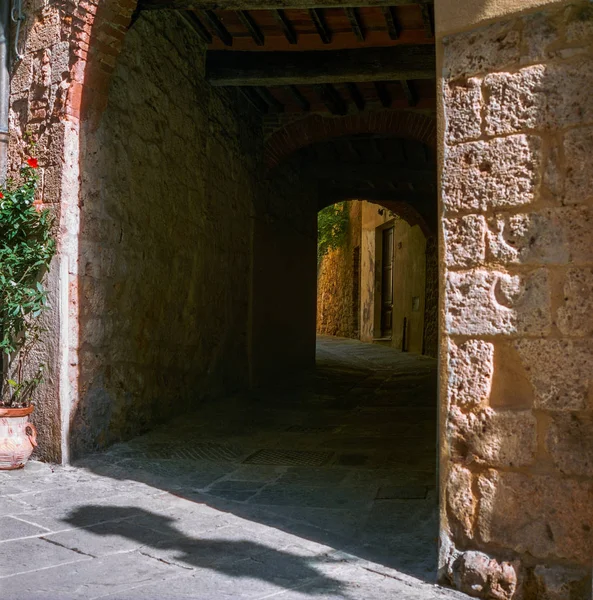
(322, 489)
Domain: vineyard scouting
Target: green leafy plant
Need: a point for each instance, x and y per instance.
(332, 227)
(26, 249)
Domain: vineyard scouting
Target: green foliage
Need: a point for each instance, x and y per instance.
(26, 249)
(332, 227)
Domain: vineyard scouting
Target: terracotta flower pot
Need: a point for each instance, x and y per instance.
(18, 437)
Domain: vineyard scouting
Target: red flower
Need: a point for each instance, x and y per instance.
(1, 195)
(32, 162)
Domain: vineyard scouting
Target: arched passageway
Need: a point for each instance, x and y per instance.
(181, 146)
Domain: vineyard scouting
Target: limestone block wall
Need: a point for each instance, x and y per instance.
(169, 178)
(517, 190)
(338, 283)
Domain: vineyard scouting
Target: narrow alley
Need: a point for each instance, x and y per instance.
(325, 488)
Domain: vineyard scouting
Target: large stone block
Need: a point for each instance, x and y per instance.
(552, 236)
(470, 373)
(482, 302)
(579, 24)
(493, 438)
(511, 387)
(540, 31)
(482, 50)
(575, 316)
(570, 443)
(561, 583)
(544, 516)
(498, 173)
(515, 101)
(578, 149)
(550, 96)
(560, 371)
(463, 106)
(465, 241)
(461, 503)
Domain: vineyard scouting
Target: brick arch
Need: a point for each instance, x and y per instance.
(315, 128)
(96, 39)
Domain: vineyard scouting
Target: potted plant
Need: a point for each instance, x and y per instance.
(26, 249)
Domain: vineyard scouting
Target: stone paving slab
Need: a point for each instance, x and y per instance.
(154, 520)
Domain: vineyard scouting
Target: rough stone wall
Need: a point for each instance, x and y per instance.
(168, 185)
(338, 307)
(518, 230)
(431, 299)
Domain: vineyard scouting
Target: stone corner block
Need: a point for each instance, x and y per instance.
(489, 302)
(493, 438)
(502, 172)
(465, 241)
(482, 50)
(541, 515)
(470, 371)
(461, 503)
(570, 443)
(575, 316)
(463, 106)
(562, 583)
(550, 236)
(560, 371)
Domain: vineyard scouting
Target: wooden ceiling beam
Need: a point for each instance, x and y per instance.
(271, 4)
(391, 21)
(356, 23)
(287, 27)
(315, 67)
(356, 96)
(299, 98)
(251, 26)
(320, 23)
(251, 95)
(194, 22)
(383, 94)
(219, 29)
(274, 104)
(409, 93)
(332, 99)
(428, 20)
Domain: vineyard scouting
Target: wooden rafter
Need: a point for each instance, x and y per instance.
(356, 96)
(313, 67)
(299, 98)
(391, 21)
(332, 99)
(219, 29)
(194, 22)
(383, 94)
(409, 92)
(270, 99)
(251, 26)
(251, 95)
(286, 25)
(356, 23)
(320, 25)
(428, 20)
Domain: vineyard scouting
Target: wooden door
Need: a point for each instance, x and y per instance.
(387, 283)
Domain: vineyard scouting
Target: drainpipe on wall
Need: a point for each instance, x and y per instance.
(4, 85)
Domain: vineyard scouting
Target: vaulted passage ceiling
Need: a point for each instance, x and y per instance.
(314, 56)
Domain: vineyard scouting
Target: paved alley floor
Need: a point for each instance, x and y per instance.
(321, 489)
